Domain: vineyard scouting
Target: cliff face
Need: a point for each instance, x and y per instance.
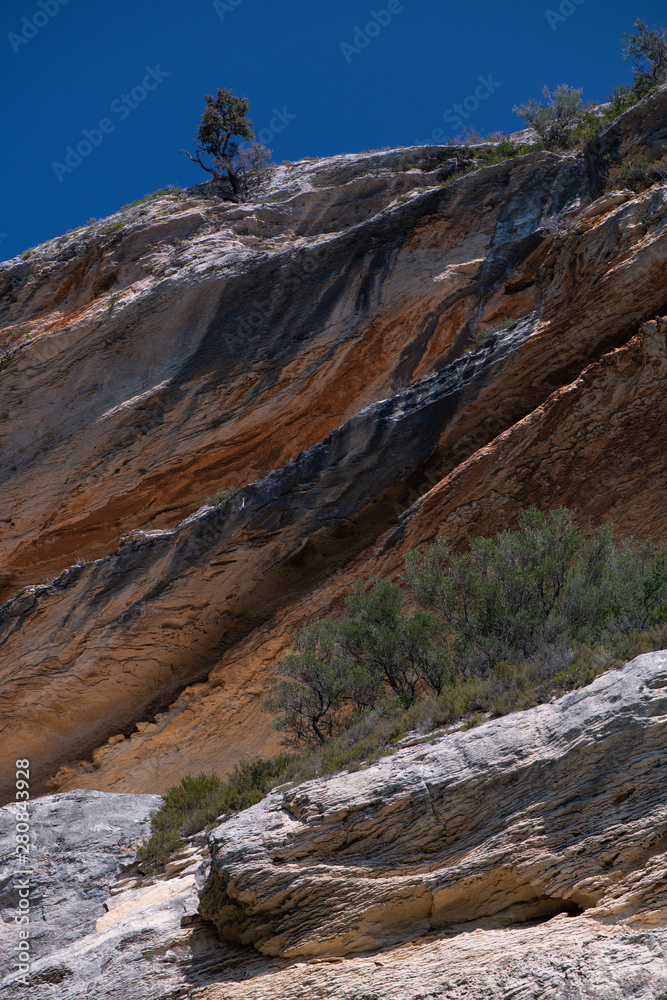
(522, 859)
(307, 350)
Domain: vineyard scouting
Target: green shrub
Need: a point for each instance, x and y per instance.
(158, 849)
(317, 685)
(528, 598)
(636, 175)
(507, 149)
(554, 119)
(222, 496)
(644, 171)
(515, 596)
(648, 51)
(171, 189)
(485, 335)
(196, 803)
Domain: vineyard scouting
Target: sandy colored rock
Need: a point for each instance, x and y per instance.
(545, 459)
(276, 365)
(560, 809)
(456, 868)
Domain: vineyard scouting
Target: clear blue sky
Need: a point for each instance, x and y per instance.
(67, 66)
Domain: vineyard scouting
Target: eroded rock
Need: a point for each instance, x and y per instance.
(558, 810)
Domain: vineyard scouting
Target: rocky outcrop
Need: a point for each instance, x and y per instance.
(275, 365)
(521, 859)
(545, 459)
(95, 923)
(558, 810)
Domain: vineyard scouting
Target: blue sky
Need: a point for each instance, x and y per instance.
(322, 76)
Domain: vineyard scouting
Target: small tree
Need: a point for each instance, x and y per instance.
(648, 51)
(224, 119)
(552, 121)
(252, 163)
(392, 646)
(314, 685)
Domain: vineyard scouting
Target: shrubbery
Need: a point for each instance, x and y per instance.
(196, 802)
(563, 121)
(554, 119)
(504, 626)
(529, 599)
(643, 171)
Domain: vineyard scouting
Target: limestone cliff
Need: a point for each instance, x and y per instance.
(309, 351)
(523, 859)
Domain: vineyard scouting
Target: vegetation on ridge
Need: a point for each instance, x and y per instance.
(527, 599)
(510, 623)
(224, 121)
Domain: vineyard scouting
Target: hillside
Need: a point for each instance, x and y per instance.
(408, 880)
(309, 351)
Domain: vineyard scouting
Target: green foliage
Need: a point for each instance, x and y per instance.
(643, 171)
(197, 802)
(225, 116)
(160, 193)
(554, 119)
(648, 51)
(485, 335)
(223, 122)
(26, 254)
(506, 149)
(527, 598)
(222, 496)
(525, 592)
(620, 99)
(114, 227)
(317, 684)
(390, 646)
(158, 849)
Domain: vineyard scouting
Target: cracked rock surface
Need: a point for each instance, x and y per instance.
(521, 860)
(558, 810)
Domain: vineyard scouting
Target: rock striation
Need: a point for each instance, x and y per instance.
(558, 810)
(309, 350)
(521, 859)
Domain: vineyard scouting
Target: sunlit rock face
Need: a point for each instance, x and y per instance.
(308, 350)
(560, 810)
(524, 858)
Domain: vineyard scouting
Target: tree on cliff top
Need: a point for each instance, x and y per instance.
(648, 51)
(553, 120)
(222, 123)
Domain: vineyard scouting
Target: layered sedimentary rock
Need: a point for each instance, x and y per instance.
(562, 809)
(571, 451)
(227, 357)
(522, 859)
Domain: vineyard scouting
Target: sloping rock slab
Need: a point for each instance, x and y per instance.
(557, 810)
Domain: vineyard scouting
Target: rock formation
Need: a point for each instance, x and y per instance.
(308, 350)
(521, 859)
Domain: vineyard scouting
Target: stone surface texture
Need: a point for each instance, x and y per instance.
(523, 860)
(309, 349)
